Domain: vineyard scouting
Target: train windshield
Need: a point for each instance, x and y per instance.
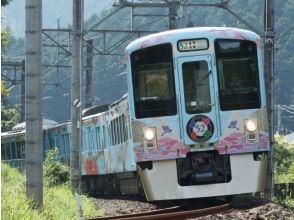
(153, 81)
(238, 77)
(196, 87)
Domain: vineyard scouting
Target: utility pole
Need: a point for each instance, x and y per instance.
(172, 11)
(33, 114)
(75, 155)
(269, 36)
(22, 88)
(89, 74)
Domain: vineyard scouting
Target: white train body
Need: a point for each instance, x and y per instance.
(194, 135)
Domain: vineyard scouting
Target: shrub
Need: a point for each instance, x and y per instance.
(55, 172)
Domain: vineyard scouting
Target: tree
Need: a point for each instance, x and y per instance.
(4, 40)
(4, 90)
(10, 115)
(4, 2)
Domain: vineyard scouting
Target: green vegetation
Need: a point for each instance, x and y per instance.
(59, 201)
(10, 115)
(284, 169)
(4, 40)
(55, 172)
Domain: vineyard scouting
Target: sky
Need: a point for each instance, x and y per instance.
(13, 15)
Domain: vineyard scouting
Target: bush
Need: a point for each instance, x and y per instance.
(284, 171)
(55, 172)
(284, 163)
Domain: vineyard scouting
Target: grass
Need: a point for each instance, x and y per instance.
(59, 201)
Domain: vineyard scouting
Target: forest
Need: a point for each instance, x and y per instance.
(109, 80)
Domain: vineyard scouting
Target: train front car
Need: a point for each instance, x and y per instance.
(198, 112)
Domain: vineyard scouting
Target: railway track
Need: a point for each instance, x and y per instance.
(173, 213)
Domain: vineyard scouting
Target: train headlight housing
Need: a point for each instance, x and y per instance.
(149, 138)
(251, 131)
(250, 125)
(149, 134)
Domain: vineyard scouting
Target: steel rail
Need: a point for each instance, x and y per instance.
(174, 213)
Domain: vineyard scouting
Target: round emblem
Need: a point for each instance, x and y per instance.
(200, 128)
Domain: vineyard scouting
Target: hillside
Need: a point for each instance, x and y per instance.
(107, 69)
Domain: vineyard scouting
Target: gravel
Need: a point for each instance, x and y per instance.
(245, 207)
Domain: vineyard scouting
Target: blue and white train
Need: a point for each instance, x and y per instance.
(193, 123)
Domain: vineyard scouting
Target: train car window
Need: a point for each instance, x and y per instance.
(7, 151)
(3, 155)
(114, 134)
(67, 144)
(90, 137)
(104, 140)
(117, 134)
(111, 130)
(126, 126)
(153, 81)
(121, 128)
(118, 131)
(13, 150)
(196, 87)
(18, 150)
(97, 129)
(123, 125)
(238, 75)
(23, 153)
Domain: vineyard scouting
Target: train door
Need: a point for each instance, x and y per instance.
(198, 103)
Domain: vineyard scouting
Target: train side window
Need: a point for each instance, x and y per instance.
(85, 140)
(23, 152)
(115, 132)
(126, 126)
(122, 125)
(104, 140)
(13, 151)
(7, 151)
(18, 150)
(110, 134)
(119, 130)
(97, 131)
(3, 155)
(67, 144)
(89, 137)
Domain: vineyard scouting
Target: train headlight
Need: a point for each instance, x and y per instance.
(149, 138)
(250, 125)
(149, 134)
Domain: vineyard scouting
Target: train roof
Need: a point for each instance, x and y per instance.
(47, 123)
(188, 33)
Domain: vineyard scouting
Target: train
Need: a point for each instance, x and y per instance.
(193, 123)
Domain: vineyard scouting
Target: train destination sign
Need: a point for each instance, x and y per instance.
(193, 44)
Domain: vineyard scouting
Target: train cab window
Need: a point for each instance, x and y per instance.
(238, 76)
(153, 81)
(196, 87)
